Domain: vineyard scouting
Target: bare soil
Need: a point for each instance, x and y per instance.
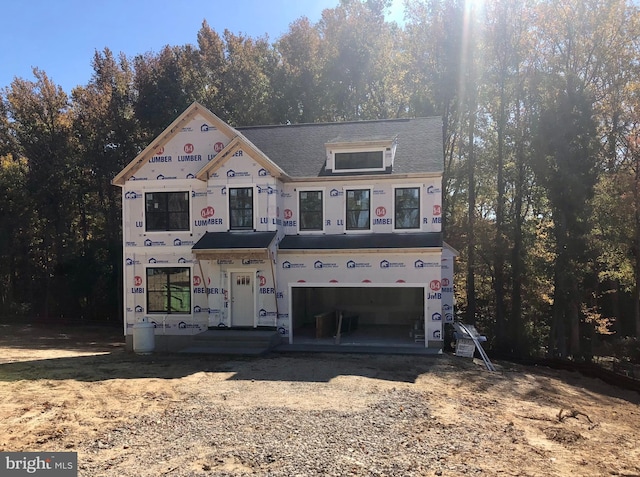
(78, 390)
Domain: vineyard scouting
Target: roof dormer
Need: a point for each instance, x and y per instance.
(368, 155)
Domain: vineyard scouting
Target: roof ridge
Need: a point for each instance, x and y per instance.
(337, 123)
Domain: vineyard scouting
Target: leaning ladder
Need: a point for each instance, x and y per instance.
(483, 354)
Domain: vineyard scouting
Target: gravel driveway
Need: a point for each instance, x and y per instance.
(305, 414)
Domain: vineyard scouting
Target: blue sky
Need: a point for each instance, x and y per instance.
(60, 36)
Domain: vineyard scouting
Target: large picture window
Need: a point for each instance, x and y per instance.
(358, 209)
(311, 210)
(165, 211)
(241, 208)
(169, 290)
(358, 160)
(407, 208)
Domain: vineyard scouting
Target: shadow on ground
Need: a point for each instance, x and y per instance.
(121, 364)
(101, 355)
(77, 338)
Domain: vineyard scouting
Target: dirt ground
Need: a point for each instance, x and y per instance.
(78, 390)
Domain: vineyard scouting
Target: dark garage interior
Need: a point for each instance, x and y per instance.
(367, 315)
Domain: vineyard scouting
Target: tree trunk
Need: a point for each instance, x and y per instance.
(560, 310)
(517, 266)
(470, 96)
(636, 288)
(498, 283)
(573, 318)
(516, 326)
(471, 244)
(636, 271)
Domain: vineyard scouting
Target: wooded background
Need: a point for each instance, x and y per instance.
(540, 105)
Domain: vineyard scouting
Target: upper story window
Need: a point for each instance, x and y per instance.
(166, 211)
(361, 155)
(407, 208)
(168, 290)
(351, 161)
(241, 208)
(311, 210)
(358, 215)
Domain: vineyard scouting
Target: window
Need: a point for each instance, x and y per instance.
(358, 209)
(241, 208)
(166, 211)
(169, 290)
(358, 160)
(311, 210)
(407, 208)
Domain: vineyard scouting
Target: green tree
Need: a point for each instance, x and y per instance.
(247, 79)
(109, 136)
(211, 64)
(565, 165)
(298, 73)
(359, 78)
(41, 124)
(166, 84)
(15, 225)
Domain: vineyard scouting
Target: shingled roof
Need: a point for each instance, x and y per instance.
(362, 241)
(234, 240)
(299, 149)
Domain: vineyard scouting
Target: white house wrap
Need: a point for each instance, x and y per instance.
(272, 226)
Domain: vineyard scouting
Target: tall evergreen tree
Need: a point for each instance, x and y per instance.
(109, 136)
(565, 165)
(41, 124)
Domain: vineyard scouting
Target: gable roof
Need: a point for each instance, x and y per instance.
(300, 149)
(239, 143)
(165, 136)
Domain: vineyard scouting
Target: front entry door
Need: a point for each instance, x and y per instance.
(242, 306)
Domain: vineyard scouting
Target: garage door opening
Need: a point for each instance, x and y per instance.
(372, 315)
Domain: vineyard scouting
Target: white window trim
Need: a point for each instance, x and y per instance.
(188, 190)
(345, 190)
(254, 197)
(324, 206)
(422, 192)
(334, 151)
(146, 291)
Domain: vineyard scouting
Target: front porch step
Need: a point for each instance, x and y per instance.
(249, 342)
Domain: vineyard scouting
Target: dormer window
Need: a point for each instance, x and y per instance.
(361, 155)
(361, 160)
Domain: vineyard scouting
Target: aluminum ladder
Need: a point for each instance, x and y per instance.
(474, 336)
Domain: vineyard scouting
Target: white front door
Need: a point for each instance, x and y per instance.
(242, 302)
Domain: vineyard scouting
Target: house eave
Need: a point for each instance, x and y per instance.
(351, 251)
(367, 177)
(357, 144)
(204, 254)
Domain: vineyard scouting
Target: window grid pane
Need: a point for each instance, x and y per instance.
(166, 211)
(241, 208)
(169, 290)
(358, 210)
(359, 160)
(311, 210)
(407, 208)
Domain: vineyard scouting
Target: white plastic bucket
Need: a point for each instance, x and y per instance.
(144, 337)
